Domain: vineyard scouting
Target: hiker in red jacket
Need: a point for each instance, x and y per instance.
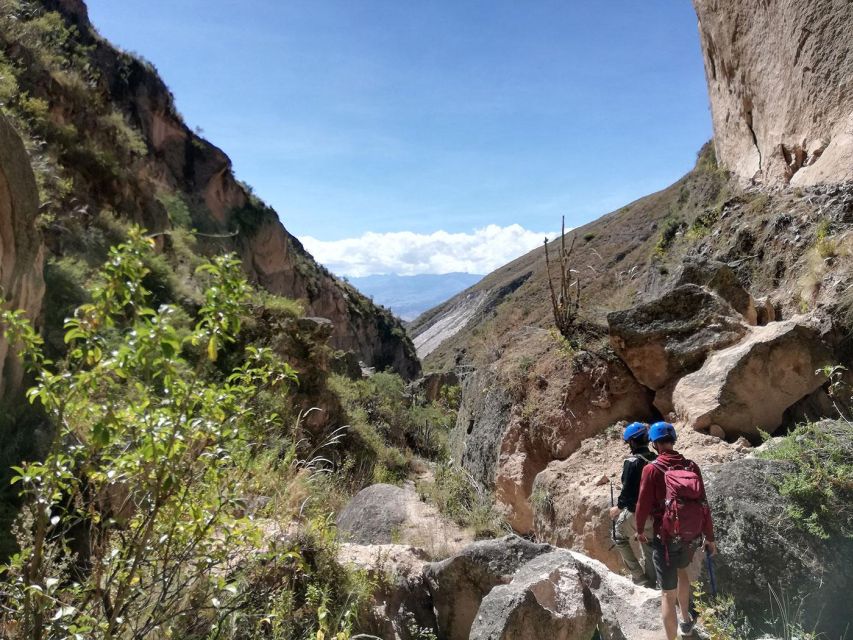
(673, 494)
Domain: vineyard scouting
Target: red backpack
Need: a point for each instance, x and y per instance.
(685, 509)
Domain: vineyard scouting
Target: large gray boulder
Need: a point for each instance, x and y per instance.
(374, 515)
(480, 423)
(749, 386)
(546, 599)
(762, 551)
(514, 589)
(458, 585)
(662, 340)
(386, 514)
(719, 277)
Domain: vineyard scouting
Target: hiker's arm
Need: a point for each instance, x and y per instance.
(645, 499)
(629, 476)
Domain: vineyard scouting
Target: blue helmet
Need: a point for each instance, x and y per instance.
(661, 430)
(635, 430)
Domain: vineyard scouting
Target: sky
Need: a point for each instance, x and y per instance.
(384, 131)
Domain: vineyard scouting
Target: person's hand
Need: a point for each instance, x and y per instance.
(643, 538)
(614, 512)
(711, 547)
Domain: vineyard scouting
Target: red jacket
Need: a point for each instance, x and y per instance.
(653, 492)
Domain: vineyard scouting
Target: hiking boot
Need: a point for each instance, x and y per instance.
(686, 628)
(644, 582)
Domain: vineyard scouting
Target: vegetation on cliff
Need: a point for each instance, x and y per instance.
(109, 147)
(180, 494)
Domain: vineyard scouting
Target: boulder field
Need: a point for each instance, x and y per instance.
(508, 589)
(518, 589)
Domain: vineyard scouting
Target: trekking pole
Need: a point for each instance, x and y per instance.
(612, 521)
(711, 572)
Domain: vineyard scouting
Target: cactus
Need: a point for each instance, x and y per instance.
(566, 305)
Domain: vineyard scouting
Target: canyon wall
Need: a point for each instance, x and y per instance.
(780, 81)
(21, 249)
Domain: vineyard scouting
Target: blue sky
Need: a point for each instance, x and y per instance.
(357, 116)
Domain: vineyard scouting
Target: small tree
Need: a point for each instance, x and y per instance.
(566, 304)
(133, 523)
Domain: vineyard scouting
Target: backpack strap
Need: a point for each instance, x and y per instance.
(642, 457)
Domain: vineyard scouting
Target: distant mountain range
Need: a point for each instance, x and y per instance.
(409, 296)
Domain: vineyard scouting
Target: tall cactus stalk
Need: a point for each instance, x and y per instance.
(565, 305)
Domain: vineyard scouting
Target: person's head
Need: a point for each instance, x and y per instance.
(662, 436)
(636, 435)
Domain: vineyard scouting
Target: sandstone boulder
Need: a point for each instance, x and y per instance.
(778, 78)
(459, 584)
(21, 248)
(720, 277)
(662, 340)
(546, 599)
(761, 548)
(749, 386)
(401, 601)
(513, 589)
(385, 514)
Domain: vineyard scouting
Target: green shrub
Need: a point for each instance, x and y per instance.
(287, 307)
(177, 209)
(123, 134)
(461, 498)
(670, 228)
(381, 401)
(820, 486)
(147, 443)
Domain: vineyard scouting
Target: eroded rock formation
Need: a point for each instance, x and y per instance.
(749, 386)
(780, 79)
(503, 445)
(513, 589)
(21, 248)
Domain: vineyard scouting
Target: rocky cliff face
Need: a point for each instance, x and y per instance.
(21, 249)
(780, 79)
(179, 163)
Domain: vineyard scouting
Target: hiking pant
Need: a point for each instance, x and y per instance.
(638, 559)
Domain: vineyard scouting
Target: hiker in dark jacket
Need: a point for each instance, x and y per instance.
(636, 436)
(672, 492)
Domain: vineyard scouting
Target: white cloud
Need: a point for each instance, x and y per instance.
(408, 253)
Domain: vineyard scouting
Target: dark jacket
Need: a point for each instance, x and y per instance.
(632, 471)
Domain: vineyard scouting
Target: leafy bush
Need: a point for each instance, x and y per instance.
(381, 401)
(820, 487)
(176, 208)
(461, 498)
(670, 228)
(132, 522)
(720, 619)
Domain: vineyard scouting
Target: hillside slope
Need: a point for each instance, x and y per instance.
(409, 296)
(108, 143)
(615, 257)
